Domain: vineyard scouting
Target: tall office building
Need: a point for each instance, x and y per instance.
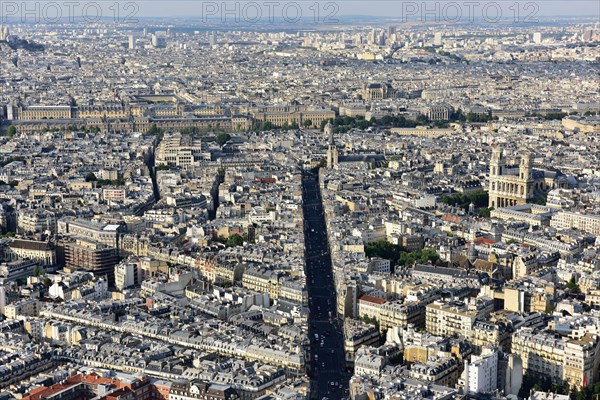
(438, 39)
(212, 38)
(4, 32)
(537, 37)
(159, 40)
(131, 42)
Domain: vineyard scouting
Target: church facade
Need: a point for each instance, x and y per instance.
(512, 185)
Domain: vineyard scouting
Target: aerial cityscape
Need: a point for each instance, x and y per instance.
(286, 201)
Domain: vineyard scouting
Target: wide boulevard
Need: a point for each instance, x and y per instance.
(329, 380)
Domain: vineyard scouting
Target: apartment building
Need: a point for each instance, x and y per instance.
(546, 353)
(356, 335)
(30, 307)
(481, 374)
(183, 390)
(14, 270)
(441, 371)
(35, 221)
(114, 193)
(263, 280)
(445, 319)
(370, 307)
(127, 274)
(179, 150)
(584, 222)
(397, 314)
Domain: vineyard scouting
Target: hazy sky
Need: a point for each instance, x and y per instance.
(430, 10)
(388, 8)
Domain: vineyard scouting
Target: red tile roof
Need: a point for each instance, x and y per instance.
(482, 240)
(371, 299)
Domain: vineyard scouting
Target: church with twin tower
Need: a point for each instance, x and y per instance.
(510, 185)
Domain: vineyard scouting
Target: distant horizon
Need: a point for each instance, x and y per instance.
(391, 19)
(382, 8)
(428, 11)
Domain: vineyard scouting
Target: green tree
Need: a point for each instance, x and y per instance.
(479, 199)
(307, 123)
(325, 122)
(190, 131)
(573, 286)
(154, 130)
(221, 239)
(11, 131)
(384, 249)
(555, 115)
(397, 359)
(369, 320)
(422, 119)
(90, 177)
(398, 256)
(580, 394)
(222, 138)
(234, 240)
(472, 117)
(109, 182)
(424, 256)
(485, 212)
